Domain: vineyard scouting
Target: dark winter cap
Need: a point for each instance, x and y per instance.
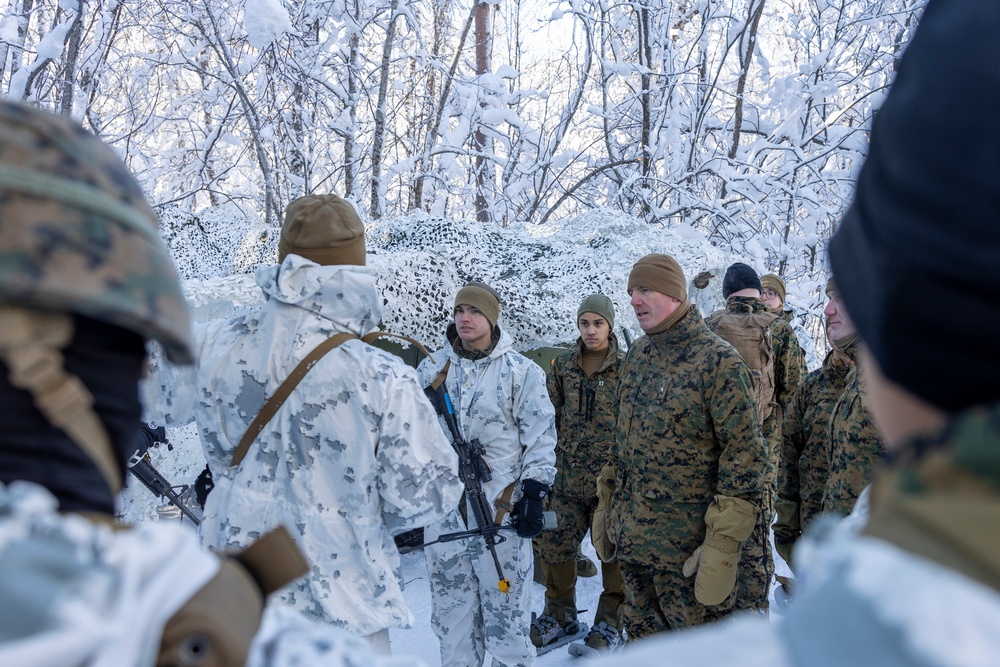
(483, 298)
(598, 304)
(324, 229)
(738, 277)
(923, 230)
(774, 282)
(660, 273)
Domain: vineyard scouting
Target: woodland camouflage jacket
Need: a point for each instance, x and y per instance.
(854, 448)
(586, 411)
(687, 430)
(805, 435)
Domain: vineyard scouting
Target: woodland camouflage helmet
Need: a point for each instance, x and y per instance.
(76, 233)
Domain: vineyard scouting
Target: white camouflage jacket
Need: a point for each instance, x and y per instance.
(353, 457)
(73, 592)
(501, 400)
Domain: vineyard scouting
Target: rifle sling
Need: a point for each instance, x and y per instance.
(503, 503)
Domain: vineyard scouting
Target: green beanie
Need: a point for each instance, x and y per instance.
(598, 304)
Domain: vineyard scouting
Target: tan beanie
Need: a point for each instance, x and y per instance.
(483, 298)
(660, 273)
(324, 229)
(774, 282)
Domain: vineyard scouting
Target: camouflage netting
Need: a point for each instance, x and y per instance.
(541, 272)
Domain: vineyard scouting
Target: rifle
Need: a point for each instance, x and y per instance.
(474, 470)
(628, 339)
(142, 469)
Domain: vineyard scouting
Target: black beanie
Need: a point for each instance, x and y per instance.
(916, 257)
(740, 276)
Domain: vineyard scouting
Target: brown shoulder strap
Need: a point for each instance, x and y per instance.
(503, 503)
(442, 374)
(278, 398)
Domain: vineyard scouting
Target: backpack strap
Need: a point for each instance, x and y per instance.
(284, 390)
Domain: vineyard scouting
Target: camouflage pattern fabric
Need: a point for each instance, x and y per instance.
(807, 345)
(469, 614)
(854, 448)
(660, 601)
(754, 581)
(500, 400)
(586, 412)
(82, 609)
(805, 436)
(757, 559)
(687, 430)
(353, 456)
(76, 233)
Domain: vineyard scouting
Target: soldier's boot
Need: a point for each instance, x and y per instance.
(556, 623)
(559, 618)
(584, 566)
(607, 631)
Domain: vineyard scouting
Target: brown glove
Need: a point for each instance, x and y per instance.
(606, 483)
(728, 522)
(215, 627)
(787, 527)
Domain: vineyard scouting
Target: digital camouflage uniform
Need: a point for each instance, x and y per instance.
(499, 399)
(855, 450)
(805, 435)
(919, 587)
(757, 561)
(687, 430)
(586, 411)
(806, 344)
(353, 456)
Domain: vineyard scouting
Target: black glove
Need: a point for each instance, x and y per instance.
(529, 508)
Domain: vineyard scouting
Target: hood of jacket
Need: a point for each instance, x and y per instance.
(346, 295)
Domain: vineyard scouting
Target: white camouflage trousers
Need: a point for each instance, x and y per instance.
(469, 613)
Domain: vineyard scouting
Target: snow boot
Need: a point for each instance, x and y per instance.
(602, 638)
(584, 566)
(557, 626)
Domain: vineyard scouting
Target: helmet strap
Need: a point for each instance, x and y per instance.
(30, 344)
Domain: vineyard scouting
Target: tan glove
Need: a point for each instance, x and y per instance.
(787, 527)
(728, 522)
(215, 627)
(607, 481)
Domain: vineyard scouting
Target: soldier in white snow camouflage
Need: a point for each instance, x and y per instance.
(84, 283)
(353, 456)
(500, 399)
